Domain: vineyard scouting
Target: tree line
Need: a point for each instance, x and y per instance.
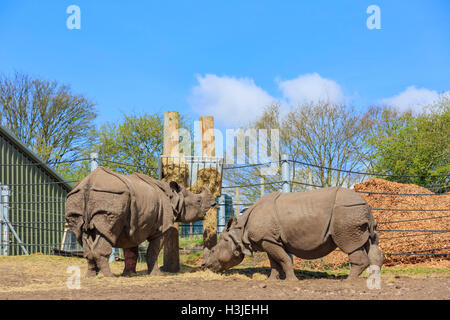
(59, 126)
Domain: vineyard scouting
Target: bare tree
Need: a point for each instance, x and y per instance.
(252, 176)
(323, 141)
(331, 138)
(46, 116)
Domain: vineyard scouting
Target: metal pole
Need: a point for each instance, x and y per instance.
(94, 161)
(1, 223)
(4, 218)
(221, 219)
(310, 179)
(285, 174)
(285, 177)
(160, 168)
(7, 226)
(262, 186)
(236, 202)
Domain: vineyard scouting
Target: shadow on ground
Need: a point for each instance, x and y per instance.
(250, 271)
(300, 274)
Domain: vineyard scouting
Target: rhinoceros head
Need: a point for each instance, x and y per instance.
(228, 252)
(192, 207)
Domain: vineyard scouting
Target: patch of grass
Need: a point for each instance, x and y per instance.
(194, 258)
(415, 271)
(195, 241)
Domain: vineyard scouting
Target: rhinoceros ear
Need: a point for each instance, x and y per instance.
(232, 221)
(239, 245)
(206, 189)
(175, 186)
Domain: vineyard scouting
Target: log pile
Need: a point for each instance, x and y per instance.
(415, 234)
(407, 230)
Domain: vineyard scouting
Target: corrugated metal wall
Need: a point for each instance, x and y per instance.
(36, 202)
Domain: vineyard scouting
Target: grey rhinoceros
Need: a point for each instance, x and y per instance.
(107, 209)
(308, 225)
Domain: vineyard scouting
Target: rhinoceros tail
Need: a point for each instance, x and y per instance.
(372, 228)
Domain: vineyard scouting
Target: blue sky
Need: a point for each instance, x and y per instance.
(229, 58)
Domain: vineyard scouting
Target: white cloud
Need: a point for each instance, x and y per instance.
(413, 99)
(236, 101)
(232, 101)
(311, 88)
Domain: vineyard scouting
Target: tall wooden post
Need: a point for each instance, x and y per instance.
(208, 150)
(171, 260)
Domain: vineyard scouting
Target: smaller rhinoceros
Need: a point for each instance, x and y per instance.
(107, 209)
(308, 225)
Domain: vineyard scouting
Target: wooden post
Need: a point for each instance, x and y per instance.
(207, 134)
(208, 150)
(171, 136)
(171, 260)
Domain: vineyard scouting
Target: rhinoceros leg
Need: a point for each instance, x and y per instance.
(103, 265)
(92, 268)
(130, 256)
(154, 247)
(279, 255)
(275, 270)
(97, 251)
(359, 261)
(375, 255)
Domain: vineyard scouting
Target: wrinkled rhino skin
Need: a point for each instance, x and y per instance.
(107, 209)
(308, 225)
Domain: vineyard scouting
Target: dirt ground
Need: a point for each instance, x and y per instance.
(46, 277)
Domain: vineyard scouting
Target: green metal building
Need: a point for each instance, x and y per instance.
(32, 203)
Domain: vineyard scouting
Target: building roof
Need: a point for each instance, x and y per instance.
(33, 157)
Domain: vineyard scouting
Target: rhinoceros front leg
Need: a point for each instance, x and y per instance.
(97, 251)
(131, 257)
(98, 264)
(279, 255)
(103, 265)
(359, 261)
(154, 247)
(92, 268)
(275, 270)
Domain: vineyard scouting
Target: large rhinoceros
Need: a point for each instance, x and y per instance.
(308, 225)
(107, 209)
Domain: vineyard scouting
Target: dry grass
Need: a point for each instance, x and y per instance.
(210, 178)
(39, 273)
(44, 273)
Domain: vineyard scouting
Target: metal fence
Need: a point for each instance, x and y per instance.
(32, 204)
(32, 201)
(286, 183)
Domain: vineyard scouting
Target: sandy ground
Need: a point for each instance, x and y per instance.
(46, 277)
(229, 289)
